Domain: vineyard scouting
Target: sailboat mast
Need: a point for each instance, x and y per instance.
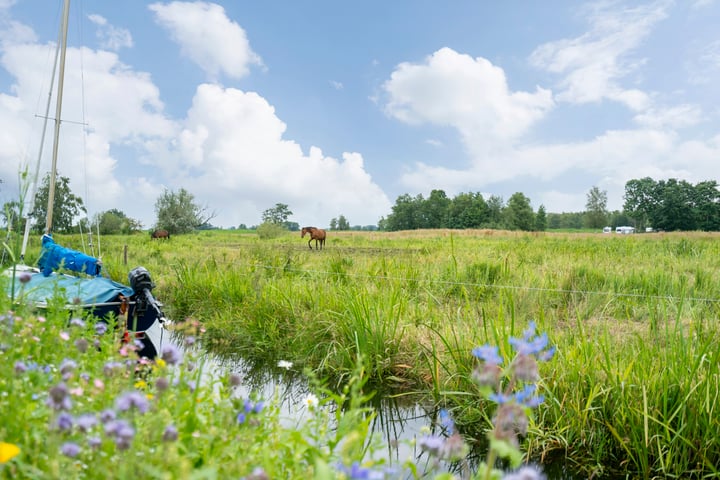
(58, 112)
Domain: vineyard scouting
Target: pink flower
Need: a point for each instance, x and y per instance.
(65, 336)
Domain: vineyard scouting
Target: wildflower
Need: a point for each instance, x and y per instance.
(101, 328)
(85, 422)
(121, 432)
(162, 384)
(311, 401)
(24, 277)
(82, 345)
(8, 451)
(70, 449)
(285, 364)
(432, 444)
(356, 471)
(67, 367)
(525, 473)
(64, 422)
(20, 367)
(171, 354)
(241, 418)
(132, 400)
(107, 416)
(447, 422)
(59, 398)
(99, 384)
(489, 354)
(235, 379)
(94, 442)
(170, 434)
(64, 336)
(258, 474)
(190, 340)
(77, 322)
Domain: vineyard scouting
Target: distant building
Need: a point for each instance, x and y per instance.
(625, 230)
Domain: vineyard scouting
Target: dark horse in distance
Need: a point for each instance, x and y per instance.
(317, 234)
(160, 234)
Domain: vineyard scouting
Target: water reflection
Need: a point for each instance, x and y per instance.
(398, 420)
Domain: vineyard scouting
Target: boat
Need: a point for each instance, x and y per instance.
(88, 290)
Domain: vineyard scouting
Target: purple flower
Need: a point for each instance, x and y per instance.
(432, 444)
(24, 277)
(101, 328)
(59, 398)
(162, 384)
(130, 400)
(170, 434)
(64, 422)
(107, 416)
(20, 367)
(70, 449)
(86, 421)
(171, 354)
(77, 322)
(82, 345)
(240, 418)
(235, 379)
(446, 422)
(67, 367)
(94, 442)
(489, 354)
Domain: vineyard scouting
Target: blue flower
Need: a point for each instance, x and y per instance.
(70, 449)
(130, 400)
(489, 354)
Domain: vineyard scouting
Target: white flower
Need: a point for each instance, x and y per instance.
(285, 364)
(311, 401)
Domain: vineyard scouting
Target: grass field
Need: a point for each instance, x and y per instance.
(633, 388)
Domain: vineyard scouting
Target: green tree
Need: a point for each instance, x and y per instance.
(114, 221)
(596, 213)
(518, 213)
(333, 224)
(11, 216)
(640, 200)
(277, 214)
(177, 212)
(541, 219)
(706, 200)
(434, 210)
(66, 206)
(495, 206)
(467, 210)
(343, 223)
(405, 214)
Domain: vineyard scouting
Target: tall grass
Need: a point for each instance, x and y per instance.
(634, 386)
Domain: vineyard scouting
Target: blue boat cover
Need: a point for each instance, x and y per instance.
(54, 256)
(75, 290)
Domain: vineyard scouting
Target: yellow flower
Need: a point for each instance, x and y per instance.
(8, 451)
(140, 384)
(160, 363)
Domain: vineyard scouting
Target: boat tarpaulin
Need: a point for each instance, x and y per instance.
(54, 256)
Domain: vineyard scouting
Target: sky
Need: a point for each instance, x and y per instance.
(338, 108)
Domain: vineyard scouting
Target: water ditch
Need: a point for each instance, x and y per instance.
(398, 420)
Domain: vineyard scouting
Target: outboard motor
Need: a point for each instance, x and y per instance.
(145, 312)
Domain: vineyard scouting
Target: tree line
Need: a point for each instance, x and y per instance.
(177, 212)
(668, 205)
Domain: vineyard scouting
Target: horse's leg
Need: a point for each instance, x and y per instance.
(310, 246)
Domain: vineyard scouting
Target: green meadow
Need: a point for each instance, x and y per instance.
(632, 389)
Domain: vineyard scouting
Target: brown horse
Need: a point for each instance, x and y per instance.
(317, 234)
(160, 234)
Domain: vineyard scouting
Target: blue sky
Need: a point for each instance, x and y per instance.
(337, 108)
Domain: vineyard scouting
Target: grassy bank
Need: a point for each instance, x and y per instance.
(634, 384)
